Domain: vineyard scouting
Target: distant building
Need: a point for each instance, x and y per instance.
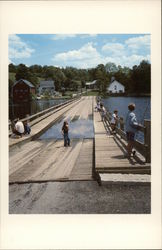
(91, 85)
(22, 90)
(115, 87)
(47, 86)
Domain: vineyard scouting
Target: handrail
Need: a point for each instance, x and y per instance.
(143, 148)
(43, 112)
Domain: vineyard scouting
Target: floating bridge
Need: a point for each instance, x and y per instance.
(41, 156)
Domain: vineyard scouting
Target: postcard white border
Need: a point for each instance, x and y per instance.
(82, 231)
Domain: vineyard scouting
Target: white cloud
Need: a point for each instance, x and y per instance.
(62, 36)
(128, 61)
(138, 42)
(115, 49)
(86, 56)
(18, 48)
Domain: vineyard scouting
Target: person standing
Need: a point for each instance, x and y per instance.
(65, 132)
(103, 112)
(114, 120)
(131, 127)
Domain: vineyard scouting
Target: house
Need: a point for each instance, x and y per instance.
(22, 90)
(115, 87)
(91, 85)
(47, 86)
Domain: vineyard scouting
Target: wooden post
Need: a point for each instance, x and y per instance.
(121, 121)
(147, 139)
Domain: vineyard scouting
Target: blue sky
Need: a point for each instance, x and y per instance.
(79, 50)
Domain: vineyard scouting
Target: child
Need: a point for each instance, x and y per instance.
(65, 130)
(103, 111)
(27, 128)
(114, 120)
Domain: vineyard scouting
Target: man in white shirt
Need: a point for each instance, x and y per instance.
(19, 128)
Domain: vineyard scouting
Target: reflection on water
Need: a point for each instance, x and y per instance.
(78, 128)
(20, 110)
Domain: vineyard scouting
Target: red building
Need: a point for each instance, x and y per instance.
(22, 90)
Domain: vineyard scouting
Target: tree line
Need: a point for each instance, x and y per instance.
(136, 79)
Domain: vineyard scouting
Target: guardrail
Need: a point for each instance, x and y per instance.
(143, 148)
(33, 119)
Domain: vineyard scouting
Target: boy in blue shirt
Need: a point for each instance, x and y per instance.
(131, 127)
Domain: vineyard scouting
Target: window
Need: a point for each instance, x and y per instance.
(115, 87)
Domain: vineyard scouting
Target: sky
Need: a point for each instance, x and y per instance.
(79, 50)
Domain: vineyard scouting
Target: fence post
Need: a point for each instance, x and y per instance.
(121, 121)
(147, 139)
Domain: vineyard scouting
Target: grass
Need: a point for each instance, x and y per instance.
(91, 93)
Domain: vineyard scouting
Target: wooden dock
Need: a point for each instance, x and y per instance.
(48, 160)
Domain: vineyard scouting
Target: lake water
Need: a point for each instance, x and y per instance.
(142, 111)
(84, 128)
(20, 110)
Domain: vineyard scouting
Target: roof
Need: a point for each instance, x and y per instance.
(47, 83)
(116, 82)
(26, 82)
(91, 83)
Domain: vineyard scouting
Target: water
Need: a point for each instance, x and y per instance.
(20, 110)
(78, 128)
(142, 111)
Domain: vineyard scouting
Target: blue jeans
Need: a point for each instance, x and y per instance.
(27, 129)
(66, 139)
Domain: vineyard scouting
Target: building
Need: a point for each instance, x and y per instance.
(115, 87)
(91, 85)
(46, 86)
(22, 90)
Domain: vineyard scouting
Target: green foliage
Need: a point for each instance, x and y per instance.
(135, 80)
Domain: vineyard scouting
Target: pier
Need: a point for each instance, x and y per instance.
(33, 159)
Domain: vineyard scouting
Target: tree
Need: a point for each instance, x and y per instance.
(12, 68)
(102, 78)
(111, 68)
(22, 72)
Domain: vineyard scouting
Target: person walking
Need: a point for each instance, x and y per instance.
(114, 121)
(65, 132)
(131, 127)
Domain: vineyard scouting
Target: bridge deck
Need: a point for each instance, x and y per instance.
(109, 153)
(49, 160)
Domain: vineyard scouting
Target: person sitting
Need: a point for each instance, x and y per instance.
(18, 128)
(97, 108)
(27, 128)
